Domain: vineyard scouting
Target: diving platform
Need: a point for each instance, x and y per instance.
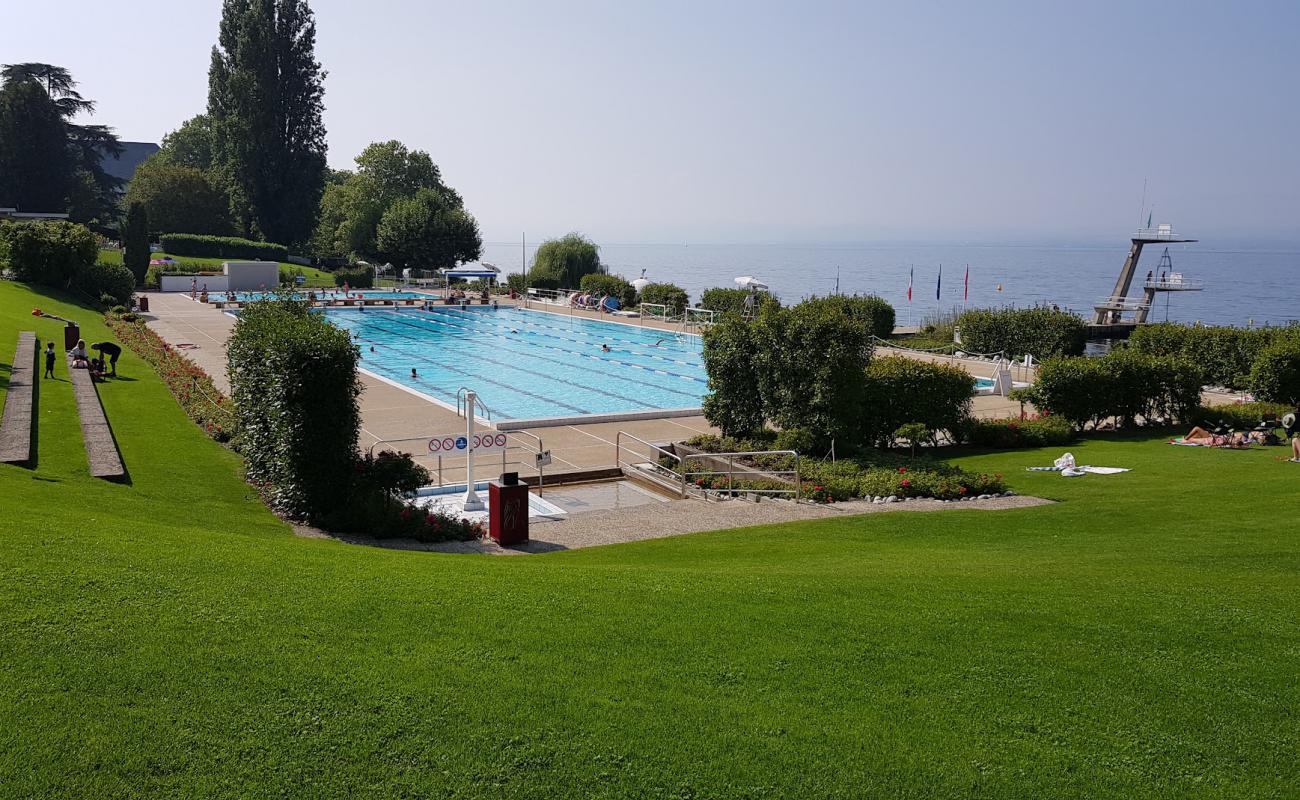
(1111, 312)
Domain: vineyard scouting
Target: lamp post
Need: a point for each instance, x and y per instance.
(472, 503)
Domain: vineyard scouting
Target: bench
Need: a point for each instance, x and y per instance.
(101, 447)
(20, 403)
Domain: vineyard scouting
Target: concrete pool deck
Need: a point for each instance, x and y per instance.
(391, 414)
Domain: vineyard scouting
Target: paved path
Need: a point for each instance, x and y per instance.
(20, 399)
(101, 448)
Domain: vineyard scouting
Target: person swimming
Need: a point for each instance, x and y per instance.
(604, 348)
(413, 375)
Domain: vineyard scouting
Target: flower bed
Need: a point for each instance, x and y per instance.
(1041, 430)
(192, 387)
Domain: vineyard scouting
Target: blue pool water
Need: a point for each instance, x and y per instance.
(528, 364)
(248, 297)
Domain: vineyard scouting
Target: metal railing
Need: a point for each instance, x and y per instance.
(509, 456)
(749, 471)
(478, 401)
(649, 465)
(1183, 285)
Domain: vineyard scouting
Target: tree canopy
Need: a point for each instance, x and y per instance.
(428, 230)
(265, 100)
(190, 145)
(565, 260)
(47, 161)
(179, 199)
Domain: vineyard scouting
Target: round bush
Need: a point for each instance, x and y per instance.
(1275, 376)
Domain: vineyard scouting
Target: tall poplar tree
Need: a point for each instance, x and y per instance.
(265, 101)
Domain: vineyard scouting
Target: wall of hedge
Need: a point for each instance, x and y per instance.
(1123, 385)
(191, 244)
(902, 390)
(293, 378)
(1226, 354)
(1039, 332)
(1275, 375)
(732, 301)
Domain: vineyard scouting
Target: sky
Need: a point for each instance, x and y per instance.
(703, 121)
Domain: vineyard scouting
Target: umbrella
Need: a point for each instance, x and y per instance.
(750, 282)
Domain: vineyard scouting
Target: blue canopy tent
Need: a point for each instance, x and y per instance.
(471, 271)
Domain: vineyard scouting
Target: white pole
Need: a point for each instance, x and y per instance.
(472, 503)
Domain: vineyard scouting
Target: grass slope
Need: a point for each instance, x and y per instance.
(172, 638)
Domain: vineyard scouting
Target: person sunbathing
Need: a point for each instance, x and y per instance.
(1295, 448)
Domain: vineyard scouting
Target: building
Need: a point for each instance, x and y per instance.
(123, 167)
(15, 214)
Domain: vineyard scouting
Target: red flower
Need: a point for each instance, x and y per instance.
(961, 490)
(905, 483)
(901, 470)
(817, 488)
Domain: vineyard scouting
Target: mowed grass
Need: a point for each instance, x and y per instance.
(172, 638)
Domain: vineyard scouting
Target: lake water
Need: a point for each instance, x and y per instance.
(1240, 284)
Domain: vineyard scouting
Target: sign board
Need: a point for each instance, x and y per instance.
(486, 442)
(543, 458)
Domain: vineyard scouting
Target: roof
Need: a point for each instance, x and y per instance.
(133, 153)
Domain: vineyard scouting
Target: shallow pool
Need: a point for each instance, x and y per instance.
(528, 364)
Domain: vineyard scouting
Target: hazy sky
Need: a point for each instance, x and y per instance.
(751, 121)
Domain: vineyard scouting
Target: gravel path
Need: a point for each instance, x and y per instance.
(675, 518)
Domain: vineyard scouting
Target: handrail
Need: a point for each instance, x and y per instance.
(618, 459)
(505, 461)
(478, 401)
(731, 470)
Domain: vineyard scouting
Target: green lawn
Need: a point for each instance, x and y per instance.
(172, 638)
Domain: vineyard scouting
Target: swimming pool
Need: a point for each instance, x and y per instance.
(248, 297)
(528, 364)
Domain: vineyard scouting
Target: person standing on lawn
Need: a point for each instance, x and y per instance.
(49, 359)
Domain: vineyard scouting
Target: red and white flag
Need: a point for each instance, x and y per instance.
(910, 271)
(966, 292)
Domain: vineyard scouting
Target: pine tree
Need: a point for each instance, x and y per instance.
(135, 241)
(265, 101)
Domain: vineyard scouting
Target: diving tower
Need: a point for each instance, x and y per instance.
(1110, 312)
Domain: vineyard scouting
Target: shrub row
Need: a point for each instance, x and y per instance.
(1122, 385)
(193, 389)
(355, 277)
(193, 244)
(732, 301)
(902, 390)
(1039, 332)
(1275, 375)
(289, 369)
(1242, 416)
(1038, 431)
(666, 294)
(64, 255)
(1226, 354)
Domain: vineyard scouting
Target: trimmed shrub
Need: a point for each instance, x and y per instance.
(49, 253)
(875, 312)
(1123, 385)
(114, 280)
(192, 244)
(355, 277)
(1042, 431)
(666, 294)
(732, 301)
(289, 370)
(808, 361)
(612, 285)
(135, 241)
(732, 403)
(517, 282)
(1040, 332)
(1226, 354)
(901, 390)
(1275, 375)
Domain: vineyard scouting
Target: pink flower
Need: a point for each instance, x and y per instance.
(901, 470)
(905, 483)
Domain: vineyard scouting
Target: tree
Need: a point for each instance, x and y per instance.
(47, 162)
(354, 203)
(265, 101)
(566, 260)
(37, 170)
(135, 241)
(190, 145)
(179, 199)
(428, 230)
(90, 193)
(51, 253)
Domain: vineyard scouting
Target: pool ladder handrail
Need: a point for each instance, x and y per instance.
(478, 401)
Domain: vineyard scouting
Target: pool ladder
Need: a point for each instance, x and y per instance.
(486, 412)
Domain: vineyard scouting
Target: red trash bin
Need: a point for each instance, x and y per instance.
(508, 512)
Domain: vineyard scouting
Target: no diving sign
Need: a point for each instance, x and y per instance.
(487, 442)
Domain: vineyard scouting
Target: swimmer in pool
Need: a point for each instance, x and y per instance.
(604, 348)
(372, 348)
(413, 375)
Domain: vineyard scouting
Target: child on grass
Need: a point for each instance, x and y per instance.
(49, 359)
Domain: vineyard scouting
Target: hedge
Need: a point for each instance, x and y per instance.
(1123, 385)
(732, 402)
(1275, 376)
(732, 301)
(193, 244)
(1226, 354)
(667, 294)
(1242, 416)
(355, 277)
(1040, 431)
(49, 253)
(1039, 332)
(902, 390)
(97, 280)
(875, 312)
(612, 285)
(290, 369)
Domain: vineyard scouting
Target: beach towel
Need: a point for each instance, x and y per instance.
(1068, 469)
